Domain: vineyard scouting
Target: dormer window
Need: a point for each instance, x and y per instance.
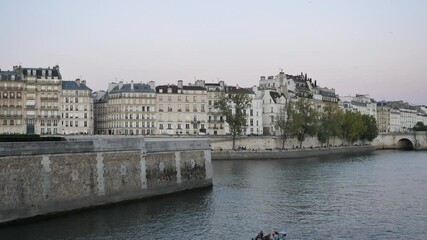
(160, 90)
(169, 90)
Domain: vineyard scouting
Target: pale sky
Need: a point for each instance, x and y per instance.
(374, 47)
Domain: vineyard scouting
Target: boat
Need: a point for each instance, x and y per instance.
(275, 235)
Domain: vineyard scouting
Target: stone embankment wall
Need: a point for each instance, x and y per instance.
(38, 178)
(289, 154)
(270, 142)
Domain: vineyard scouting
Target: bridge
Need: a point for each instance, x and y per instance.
(401, 140)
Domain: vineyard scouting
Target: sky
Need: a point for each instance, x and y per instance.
(357, 47)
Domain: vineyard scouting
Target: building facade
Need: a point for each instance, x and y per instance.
(76, 108)
(181, 109)
(42, 94)
(131, 109)
(12, 103)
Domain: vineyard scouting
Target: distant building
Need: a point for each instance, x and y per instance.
(42, 94)
(360, 103)
(76, 108)
(216, 122)
(388, 118)
(254, 116)
(12, 103)
(408, 119)
(181, 109)
(130, 110)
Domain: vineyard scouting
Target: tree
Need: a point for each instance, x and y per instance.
(304, 121)
(330, 123)
(371, 130)
(352, 126)
(284, 122)
(420, 127)
(231, 106)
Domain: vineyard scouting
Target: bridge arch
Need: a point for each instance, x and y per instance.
(405, 143)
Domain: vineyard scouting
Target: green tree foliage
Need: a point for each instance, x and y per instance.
(231, 106)
(370, 130)
(420, 127)
(304, 120)
(352, 126)
(330, 123)
(284, 121)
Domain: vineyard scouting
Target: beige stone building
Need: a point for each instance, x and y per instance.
(216, 124)
(42, 93)
(76, 108)
(131, 109)
(181, 109)
(388, 118)
(100, 107)
(12, 103)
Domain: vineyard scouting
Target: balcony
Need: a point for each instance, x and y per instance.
(49, 98)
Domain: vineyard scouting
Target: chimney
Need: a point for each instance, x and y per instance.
(221, 84)
(131, 85)
(111, 86)
(315, 83)
(180, 84)
(78, 81)
(84, 82)
(152, 85)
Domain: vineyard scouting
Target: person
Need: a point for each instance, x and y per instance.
(260, 236)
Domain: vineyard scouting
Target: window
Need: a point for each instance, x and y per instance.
(161, 126)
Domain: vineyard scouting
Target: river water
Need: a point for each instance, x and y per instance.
(378, 196)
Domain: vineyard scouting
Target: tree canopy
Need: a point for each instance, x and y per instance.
(232, 107)
(420, 127)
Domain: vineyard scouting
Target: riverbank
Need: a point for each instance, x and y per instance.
(289, 154)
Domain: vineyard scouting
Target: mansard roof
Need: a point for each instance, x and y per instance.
(137, 87)
(241, 90)
(276, 95)
(55, 71)
(165, 88)
(7, 76)
(73, 85)
(193, 88)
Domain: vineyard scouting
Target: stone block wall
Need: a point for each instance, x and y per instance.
(56, 177)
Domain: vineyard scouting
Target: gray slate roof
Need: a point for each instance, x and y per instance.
(73, 85)
(7, 75)
(137, 87)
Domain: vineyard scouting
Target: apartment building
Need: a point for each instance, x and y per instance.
(360, 103)
(388, 118)
(42, 93)
(216, 122)
(272, 102)
(408, 119)
(181, 109)
(131, 109)
(100, 110)
(12, 102)
(76, 108)
(254, 116)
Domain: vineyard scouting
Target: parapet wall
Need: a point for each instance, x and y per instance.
(291, 154)
(38, 178)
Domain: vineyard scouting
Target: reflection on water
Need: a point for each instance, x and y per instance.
(378, 196)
